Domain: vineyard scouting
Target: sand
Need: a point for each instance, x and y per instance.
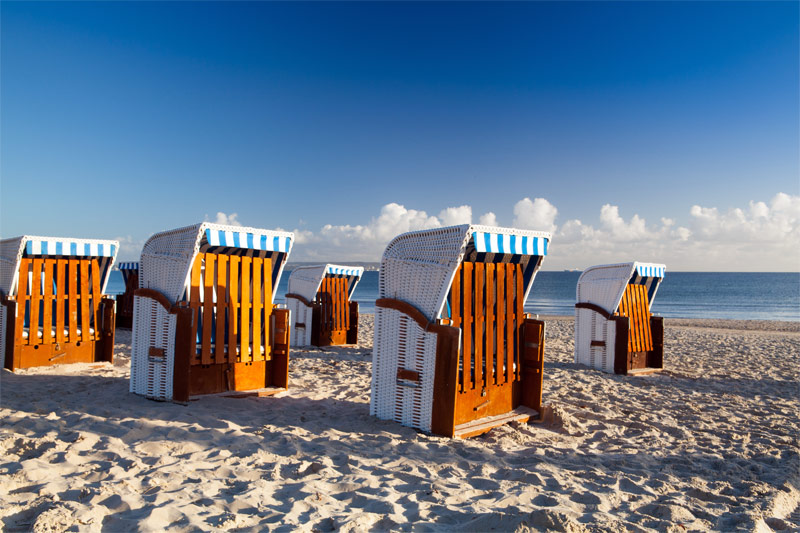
(711, 443)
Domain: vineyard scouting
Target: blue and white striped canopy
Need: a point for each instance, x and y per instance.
(509, 244)
(344, 271)
(133, 265)
(651, 271)
(69, 247)
(250, 241)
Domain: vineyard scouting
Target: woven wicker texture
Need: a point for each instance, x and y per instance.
(305, 280)
(418, 268)
(604, 286)
(300, 313)
(402, 344)
(167, 257)
(165, 266)
(153, 327)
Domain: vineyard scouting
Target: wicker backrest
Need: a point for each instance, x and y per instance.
(168, 256)
(306, 280)
(604, 285)
(418, 267)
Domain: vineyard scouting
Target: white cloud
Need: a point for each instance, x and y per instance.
(538, 214)
(764, 235)
(489, 219)
(453, 216)
(228, 220)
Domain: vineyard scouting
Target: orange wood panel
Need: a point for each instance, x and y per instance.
(455, 299)
(96, 298)
(519, 317)
(509, 322)
(246, 305)
(500, 322)
(220, 308)
(491, 376)
(47, 316)
(467, 328)
(267, 307)
(22, 297)
(258, 306)
(194, 303)
(61, 296)
(73, 299)
(233, 310)
(345, 305)
(208, 308)
(85, 303)
(36, 300)
(480, 314)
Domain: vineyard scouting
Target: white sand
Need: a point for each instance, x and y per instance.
(710, 443)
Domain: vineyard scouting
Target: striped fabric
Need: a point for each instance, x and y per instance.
(343, 271)
(651, 271)
(69, 247)
(250, 241)
(509, 244)
(134, 265)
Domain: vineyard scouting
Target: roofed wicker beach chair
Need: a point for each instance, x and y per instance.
(130, 276)
(614, 329)
(319, 300)
(204, 321)
(454, 353)
(53, 308)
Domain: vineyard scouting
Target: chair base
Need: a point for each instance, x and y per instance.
(643, 371)
(255, 393)
(482, 425)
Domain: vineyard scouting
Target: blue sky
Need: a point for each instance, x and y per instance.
(651, 131)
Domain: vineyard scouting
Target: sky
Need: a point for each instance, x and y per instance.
(650, 131)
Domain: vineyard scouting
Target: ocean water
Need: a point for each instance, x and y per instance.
(732, 295)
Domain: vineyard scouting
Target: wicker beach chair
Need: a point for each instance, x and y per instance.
(614, 329)
(53, 308)
(454, 354)
(319, 300)
(204, 320)
(130, 276)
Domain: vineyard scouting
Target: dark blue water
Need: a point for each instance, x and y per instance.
(733, 295)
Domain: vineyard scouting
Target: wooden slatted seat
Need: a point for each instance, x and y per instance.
(228, 335)
(53, 308)
(614, 328)
(319, 299)
(454, 352)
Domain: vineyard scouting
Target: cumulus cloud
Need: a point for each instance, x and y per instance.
(228, 220)
(763, 235)
(538, 214)
(456, 215)
(489, 219)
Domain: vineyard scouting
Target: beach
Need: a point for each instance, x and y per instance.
(709, 443)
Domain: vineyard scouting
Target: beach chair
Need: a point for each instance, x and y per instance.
(53, 308)
(204, 321)
(454, 354)
(319, 300)
(130, 276)
(614, 329)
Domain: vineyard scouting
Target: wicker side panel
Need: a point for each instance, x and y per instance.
(153, 351)
(594, 340)
(401, 344)
(300, 314)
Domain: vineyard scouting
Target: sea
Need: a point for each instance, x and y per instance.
(727, 295)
